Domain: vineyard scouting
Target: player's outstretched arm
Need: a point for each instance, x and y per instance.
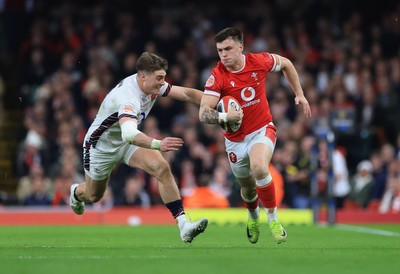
(132, 135)
(293, 78)
(186, 94)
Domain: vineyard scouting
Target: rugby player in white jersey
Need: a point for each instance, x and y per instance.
(114, 137)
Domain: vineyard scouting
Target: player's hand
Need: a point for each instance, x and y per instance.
(234, 116)
(306, 106)
(171, 144)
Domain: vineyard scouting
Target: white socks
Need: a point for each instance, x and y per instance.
(272, 216)
(181, 219)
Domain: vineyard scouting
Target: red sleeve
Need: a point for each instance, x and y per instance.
(267, 60)
(214, 82)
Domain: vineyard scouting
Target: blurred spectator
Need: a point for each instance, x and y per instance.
(391, 198)
(361, 185)
(301, 174)
(341, 187)
(291, 175)
(188, 178)
(379, 172)
(26, 183)
(106, 202)
(39, 193)
(134, 193)
(220, 182)
(66, 176)
(340, 172)
(203, 196)
(31, 151)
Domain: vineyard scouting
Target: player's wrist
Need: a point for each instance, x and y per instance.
(155, 144)
(222, 117)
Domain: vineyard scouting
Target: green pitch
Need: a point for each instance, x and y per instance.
(221, 249)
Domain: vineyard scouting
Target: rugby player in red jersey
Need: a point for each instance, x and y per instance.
(250, 148)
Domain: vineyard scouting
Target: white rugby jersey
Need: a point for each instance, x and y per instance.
(126, 99)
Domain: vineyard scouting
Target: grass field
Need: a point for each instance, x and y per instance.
(221, 249)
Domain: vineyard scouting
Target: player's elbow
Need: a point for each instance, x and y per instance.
(129, 131)
(286, 64)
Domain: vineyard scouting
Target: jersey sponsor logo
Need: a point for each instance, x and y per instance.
(251, 103)
(210, 81)
(248, 94)
(232, 157)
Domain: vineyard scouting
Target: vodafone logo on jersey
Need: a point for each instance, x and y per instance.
(248, 94)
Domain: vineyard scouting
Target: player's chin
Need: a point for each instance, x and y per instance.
(226, 62)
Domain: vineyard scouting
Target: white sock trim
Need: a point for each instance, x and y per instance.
(248, 200)
(264, 182)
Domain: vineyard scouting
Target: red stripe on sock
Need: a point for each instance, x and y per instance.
(266, 195)
(252, 205)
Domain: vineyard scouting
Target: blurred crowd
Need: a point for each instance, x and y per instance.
(71, 54)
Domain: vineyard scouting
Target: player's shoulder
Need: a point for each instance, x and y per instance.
(124, 89)
(263, 59)
(258, 56)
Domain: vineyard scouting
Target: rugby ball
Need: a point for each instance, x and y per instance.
(224, 105)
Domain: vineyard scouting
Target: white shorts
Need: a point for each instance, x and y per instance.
(99, 164)
(238, 152)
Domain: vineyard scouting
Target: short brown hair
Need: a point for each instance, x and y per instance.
(233, 33)
(150, 62)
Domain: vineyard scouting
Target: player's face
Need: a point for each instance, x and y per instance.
(153, 82)
(230, 53)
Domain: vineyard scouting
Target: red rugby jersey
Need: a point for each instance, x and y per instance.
(248, 87)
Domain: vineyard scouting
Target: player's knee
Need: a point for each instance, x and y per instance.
(259, 171)
(160, 168)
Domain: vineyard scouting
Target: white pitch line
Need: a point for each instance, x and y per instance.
(367, 230)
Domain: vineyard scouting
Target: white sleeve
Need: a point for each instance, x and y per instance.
(129, 131)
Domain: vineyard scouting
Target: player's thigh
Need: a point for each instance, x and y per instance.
(260, 156)
(151, 161)
(238, 158)
(261, 148)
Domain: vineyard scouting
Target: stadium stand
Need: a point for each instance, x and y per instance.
(60, 59)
